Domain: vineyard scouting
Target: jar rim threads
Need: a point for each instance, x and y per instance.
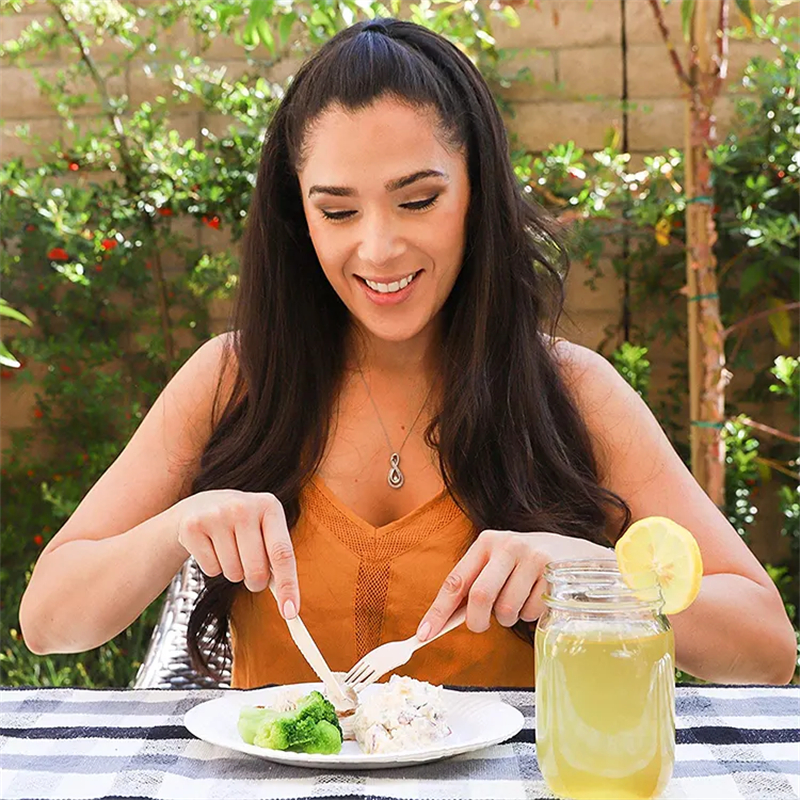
(594, 585)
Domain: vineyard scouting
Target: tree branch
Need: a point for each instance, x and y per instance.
(694, 60)
(776, 465)
(131, 176)
(752, 318)
(662, 26)
(759, 426)
(87, 59)
(163, 305)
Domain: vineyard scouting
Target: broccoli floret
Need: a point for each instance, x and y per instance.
(327, 739)
(317, 706)
(251, 718)
(312, 727)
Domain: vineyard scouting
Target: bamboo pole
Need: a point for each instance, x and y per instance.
(702, 78)
(693, 328)
(707, 374)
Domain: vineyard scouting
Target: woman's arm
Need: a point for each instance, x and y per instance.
(119, 550)
(737, 630)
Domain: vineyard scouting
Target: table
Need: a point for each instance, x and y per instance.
(733, 743)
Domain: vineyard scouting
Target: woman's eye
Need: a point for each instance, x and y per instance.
(417, 205)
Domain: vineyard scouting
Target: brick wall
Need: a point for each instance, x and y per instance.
(597, 66)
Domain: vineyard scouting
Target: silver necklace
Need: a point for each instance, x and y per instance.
(395, 478)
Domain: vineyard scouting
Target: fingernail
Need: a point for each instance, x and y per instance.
(289, 611)
(424, 631)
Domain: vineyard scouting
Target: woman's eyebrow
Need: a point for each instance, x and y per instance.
(391, 186)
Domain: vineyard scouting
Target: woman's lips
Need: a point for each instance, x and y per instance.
(389, 298)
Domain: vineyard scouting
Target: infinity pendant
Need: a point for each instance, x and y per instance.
(396, 478)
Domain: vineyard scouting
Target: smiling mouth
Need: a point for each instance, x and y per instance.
(389, 288)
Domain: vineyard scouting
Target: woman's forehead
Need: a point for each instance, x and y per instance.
(382, 142)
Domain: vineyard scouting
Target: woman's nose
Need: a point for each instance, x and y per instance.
(381, 241)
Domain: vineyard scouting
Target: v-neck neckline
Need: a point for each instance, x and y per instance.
(401, 522)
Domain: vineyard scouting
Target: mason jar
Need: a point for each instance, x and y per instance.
(605, 684)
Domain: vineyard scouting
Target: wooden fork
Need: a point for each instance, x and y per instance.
(391, 655)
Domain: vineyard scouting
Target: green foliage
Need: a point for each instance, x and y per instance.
(6, 358)
(742, 475)
(631, 362)
(787, 383)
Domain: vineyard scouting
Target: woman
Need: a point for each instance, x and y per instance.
(388, 431)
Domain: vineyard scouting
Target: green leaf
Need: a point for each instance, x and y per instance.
(511, 16)
(285, 27)
(250, 34)
(746, 8)
(6, 359)
(751, 278)
(780, 322)
(260, 10)
(687, 11)
(265, 34)
(7, 311)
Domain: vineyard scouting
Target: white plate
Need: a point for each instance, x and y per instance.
(476, 720)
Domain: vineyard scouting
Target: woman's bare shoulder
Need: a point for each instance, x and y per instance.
(209, 376)
(577, 363)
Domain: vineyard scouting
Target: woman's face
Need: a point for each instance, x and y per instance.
(386, 204)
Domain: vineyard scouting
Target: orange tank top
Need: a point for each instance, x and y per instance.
(361, 586)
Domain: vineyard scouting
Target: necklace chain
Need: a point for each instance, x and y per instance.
(395, 477)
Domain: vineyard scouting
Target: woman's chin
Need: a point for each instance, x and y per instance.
(391, 333)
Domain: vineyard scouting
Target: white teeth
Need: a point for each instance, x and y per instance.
(390, 288)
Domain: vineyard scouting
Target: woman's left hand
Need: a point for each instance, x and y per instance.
(502, 572)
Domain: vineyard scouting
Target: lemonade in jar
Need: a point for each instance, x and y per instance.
(605, 677)
(605, 664)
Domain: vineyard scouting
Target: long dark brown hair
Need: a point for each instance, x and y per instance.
(513, 449)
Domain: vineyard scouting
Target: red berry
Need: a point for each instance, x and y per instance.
(38, 413)
(109, 244)
(30, 228)
(38, 540)
(212, 222)
(58, 254)
(73, 166)
(165, 212)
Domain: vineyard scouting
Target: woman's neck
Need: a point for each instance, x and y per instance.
(417, 359)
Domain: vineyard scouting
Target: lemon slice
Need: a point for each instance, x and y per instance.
(659, 546)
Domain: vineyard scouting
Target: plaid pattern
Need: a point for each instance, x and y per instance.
(733, 743)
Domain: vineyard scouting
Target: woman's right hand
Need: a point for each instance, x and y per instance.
(243, 536)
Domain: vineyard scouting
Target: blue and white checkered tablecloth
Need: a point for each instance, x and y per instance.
(733, 743)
